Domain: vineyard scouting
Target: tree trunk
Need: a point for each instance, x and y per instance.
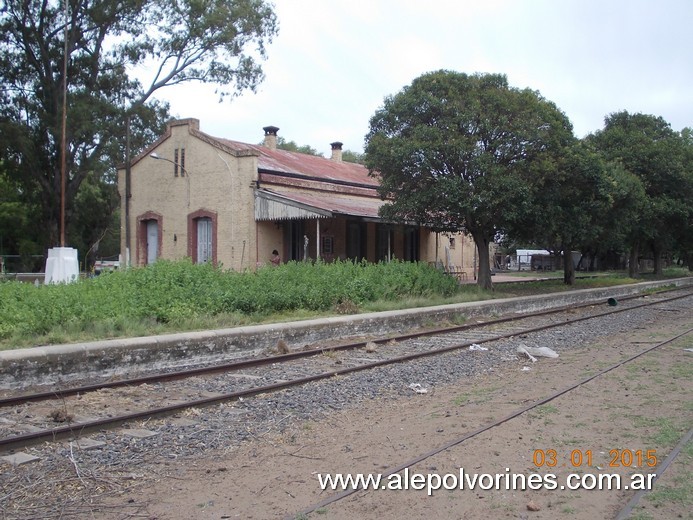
(568, 269)
(482, 244)
(633, 262)
(658, 264)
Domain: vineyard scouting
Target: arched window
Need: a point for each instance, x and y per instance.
(152, 241)
(204, 240)
(202, 230)
(149, 227)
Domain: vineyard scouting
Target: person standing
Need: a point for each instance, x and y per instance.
(275, 259)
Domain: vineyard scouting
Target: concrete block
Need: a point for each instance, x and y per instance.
(20, 458)
(137, 433)
(86, 444)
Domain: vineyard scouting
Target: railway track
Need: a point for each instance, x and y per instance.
(28, 419)
(623, 514)
(257, 458)
(16, 398)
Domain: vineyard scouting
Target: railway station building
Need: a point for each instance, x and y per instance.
(231, 203)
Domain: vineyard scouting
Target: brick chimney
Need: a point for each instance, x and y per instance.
(336, 151)
(271, 137)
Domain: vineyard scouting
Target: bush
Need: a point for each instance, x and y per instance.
(179, 292)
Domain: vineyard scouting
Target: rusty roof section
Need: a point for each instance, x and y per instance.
(315, 184)
(295, 164)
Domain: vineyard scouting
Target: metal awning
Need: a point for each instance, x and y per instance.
(274, 206)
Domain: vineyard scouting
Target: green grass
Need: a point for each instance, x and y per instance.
(668, 433)
(664, 432)
(680, 489)
(544, 410)
(543, 413)
(180, 296)
(557, 285)
(683, 371)
(478, 396)
(677, 491)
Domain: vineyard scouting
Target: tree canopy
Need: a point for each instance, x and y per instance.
(457, 152)
(102, 44)
(291, 146)
(581, 206)
(646, 146)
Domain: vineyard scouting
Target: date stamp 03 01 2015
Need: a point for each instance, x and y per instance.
(617, 458)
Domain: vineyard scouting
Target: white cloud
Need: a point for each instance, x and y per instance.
(334, 62)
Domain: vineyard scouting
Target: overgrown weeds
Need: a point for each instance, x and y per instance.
(180, 296)
(170, 296)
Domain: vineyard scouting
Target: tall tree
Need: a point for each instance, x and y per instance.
(627, 203)
(291, 146)
(101, 44)
(647, 146)
(18, 211)
(352, 157)
(585, 202)
(684, 240)
(94, 225)
(457, 152)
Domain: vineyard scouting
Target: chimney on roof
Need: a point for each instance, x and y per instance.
(271, 137)
(336, 151)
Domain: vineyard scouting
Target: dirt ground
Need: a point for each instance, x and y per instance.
(644, 405)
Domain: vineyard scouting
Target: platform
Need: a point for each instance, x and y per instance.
(47, 365)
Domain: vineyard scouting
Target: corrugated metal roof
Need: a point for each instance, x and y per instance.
(314, 206)
(272, 206)
(283, 161)
(294, 169)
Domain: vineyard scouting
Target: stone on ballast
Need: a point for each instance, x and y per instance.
(19, 458)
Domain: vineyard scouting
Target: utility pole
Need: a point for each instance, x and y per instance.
(63, 144)
(62, 263)
(128, 165)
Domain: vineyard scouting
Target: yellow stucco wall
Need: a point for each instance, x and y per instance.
(222, 181)
(214, 181)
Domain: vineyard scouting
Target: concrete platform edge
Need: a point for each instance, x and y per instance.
(49, 365)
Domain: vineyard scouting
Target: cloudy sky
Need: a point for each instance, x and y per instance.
(334, 62)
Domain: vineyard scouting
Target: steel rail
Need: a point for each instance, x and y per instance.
(252, 363)
(628, 508)
(400, 467)
(76, 429)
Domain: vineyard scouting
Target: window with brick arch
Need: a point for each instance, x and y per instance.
(202, 232)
